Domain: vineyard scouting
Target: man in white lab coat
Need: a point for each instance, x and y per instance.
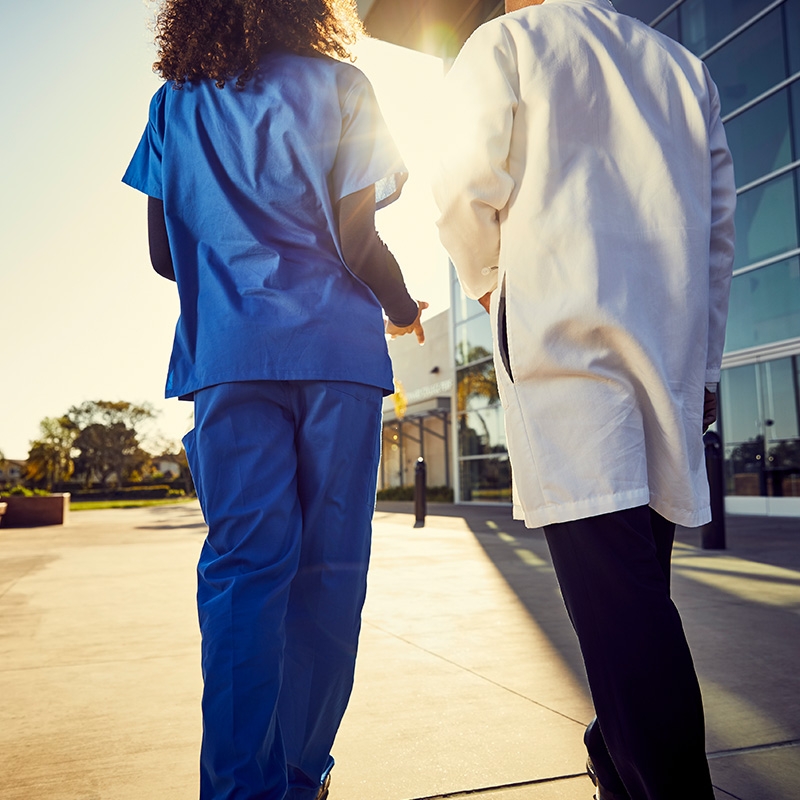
(587, 198)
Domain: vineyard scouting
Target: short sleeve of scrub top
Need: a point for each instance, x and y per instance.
(144, 172)
(366, 139)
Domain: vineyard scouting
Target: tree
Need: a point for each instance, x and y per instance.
(50, 456)
(108, 441)
(477, 385)
(107, 413)
(109, 450)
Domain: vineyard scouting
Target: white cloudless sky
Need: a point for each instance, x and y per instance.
(83, 315)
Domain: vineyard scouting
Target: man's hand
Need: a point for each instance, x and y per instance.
(415, 327)
(485, 301)
(709, 409)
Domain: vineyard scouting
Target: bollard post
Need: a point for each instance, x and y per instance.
(713, 533)
(420, 500)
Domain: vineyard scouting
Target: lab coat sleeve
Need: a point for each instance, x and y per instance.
(721, 251)
(472, 183)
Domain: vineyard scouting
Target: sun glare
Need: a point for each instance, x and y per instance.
(408, 85)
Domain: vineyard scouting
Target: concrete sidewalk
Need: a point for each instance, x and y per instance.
(469, 680)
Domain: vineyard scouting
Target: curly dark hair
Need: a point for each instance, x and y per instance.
(224, 39)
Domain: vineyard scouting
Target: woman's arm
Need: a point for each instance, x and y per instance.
(160, 256)
(370, 259)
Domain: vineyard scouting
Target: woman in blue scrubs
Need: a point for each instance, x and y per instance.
(264, 159)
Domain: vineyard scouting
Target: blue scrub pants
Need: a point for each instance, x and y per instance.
(286, 475)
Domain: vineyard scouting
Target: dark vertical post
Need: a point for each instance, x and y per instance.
(420, 501)
(402, 451)
(446, 431)
(713, 534)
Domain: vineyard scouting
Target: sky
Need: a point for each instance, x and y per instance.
(83, 315)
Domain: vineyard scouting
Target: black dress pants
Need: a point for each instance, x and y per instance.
(648, 740)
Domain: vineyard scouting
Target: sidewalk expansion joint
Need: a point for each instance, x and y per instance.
(756, 748)
(501, 787)
(473, 672)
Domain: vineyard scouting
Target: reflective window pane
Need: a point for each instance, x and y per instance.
(781, 428)
(473, 340)
(791, 11)
(761, 429)
(481, 432)
(766, 221)
(742, 430)
(795, 95)
(706, 22)
(749, 64)
(476, 387)
(645, 10)
(741, 412)
(463, 306)
(764, 306)
(760, 139)
(486, 479)
(780, 401)
(669, 26)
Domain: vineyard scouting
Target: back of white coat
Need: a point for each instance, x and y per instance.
(585, 158)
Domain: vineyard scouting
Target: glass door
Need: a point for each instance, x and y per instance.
(760, 420)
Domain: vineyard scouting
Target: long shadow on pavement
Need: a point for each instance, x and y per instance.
(741, 612)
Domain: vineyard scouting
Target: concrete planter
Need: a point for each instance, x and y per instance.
(32, 512)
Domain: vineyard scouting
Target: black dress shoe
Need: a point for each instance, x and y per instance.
(603, 793)
(322, 794)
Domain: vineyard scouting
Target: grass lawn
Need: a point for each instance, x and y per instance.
(91, 505)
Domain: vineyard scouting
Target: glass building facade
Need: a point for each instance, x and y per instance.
(483, 473)
(752, 49)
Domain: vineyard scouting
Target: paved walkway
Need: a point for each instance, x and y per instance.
(469, 681)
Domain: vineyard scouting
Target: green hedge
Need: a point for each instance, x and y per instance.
(22, 491)
(145, 492)
(434, 494)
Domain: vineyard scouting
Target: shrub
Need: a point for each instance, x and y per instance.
(22, 491)
(139, 492)
(434, 494)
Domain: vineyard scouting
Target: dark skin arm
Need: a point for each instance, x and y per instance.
(160, 256)
(370, 260)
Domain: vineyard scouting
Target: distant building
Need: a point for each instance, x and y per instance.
(12, 472)
(416, 419)
(167, 466)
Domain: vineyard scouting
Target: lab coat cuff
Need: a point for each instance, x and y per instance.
(487, 282)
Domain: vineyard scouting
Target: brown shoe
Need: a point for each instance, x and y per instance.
(322, 794)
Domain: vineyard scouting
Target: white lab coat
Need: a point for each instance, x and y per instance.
(585, 173)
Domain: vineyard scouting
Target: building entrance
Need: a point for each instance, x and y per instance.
(760, 419)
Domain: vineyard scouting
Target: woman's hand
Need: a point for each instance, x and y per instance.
(415, 327)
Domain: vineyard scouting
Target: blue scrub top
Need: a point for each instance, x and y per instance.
(249, 179)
